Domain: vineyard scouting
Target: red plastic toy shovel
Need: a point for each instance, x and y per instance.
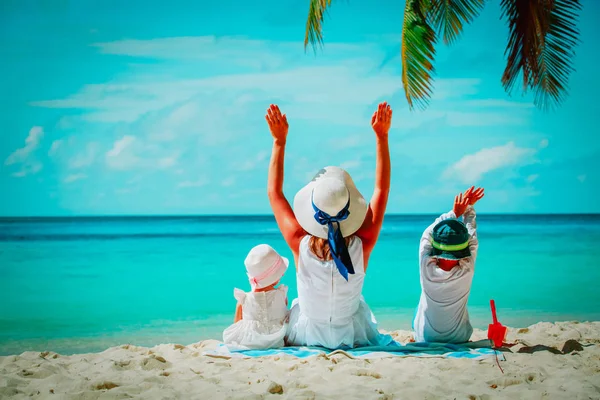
(496, 331)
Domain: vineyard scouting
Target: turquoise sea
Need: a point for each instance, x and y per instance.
(84, 284)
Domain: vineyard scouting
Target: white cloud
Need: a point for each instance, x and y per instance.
(582, 178)
(254, 162)
(478, 118)
(350, 141)
(178, 119)
(203, 181)
(305, 84)
(516, 197)
(85, 158)
(193, 47)
(31, 144)
(532, 178)
(167, 162)
(471, 168)
(167, 118)
(120, 145)
(238, 51)
(29, 168)
(130, 152)
(120, 156)
(348, 165)
(454, 88)
(74, 177)
(247, 194)
(24, 156)
(497, 103)
(306, 89)
(55, 147)
(543, 143)
(229, 181)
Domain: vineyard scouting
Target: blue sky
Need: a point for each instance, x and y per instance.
(158, 108)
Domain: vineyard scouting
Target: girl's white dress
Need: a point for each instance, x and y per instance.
(263, 323)
(329, 311)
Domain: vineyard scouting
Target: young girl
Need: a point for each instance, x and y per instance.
(331, 232)
(260, 315)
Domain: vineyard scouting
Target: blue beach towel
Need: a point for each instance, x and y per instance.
(472, 350)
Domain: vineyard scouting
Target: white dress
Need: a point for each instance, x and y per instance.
(329, 311)
(263, 323)
(442, 314)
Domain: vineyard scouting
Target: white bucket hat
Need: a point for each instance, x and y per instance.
(330, 191)
(264, 266)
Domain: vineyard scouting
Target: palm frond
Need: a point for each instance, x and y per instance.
(556, 58)
(314, 22)
(525, 34)
(449, 16)
(417, 51)
(541, 47)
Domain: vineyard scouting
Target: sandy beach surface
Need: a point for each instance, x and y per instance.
(174, 371)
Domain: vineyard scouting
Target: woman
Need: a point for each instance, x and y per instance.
(331, 232)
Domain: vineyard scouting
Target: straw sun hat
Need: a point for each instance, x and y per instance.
(330, 191)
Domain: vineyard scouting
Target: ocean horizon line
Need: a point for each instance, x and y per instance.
(261, 216)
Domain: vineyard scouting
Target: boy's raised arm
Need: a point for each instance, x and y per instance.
(470, 219)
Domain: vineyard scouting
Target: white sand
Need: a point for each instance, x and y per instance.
(181, 372)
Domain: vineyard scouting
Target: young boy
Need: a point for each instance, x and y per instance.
(447, 261)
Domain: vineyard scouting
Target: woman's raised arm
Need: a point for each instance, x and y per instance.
(284, 215)
(369, 231)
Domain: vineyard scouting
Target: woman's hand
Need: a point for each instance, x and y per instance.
(278, 124)
(382, 120)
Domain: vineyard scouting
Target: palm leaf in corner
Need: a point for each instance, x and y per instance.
(314, 23)
(542, 39)
(417, 51)
(449, 16)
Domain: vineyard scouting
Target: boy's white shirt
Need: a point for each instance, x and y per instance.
(442, 314)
